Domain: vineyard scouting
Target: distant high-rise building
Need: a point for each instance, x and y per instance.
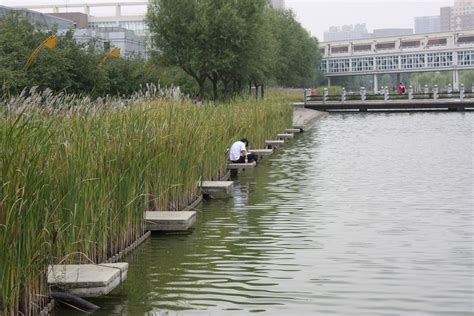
(427, 24)
(346, 32)
(445, 18)
(456, 18)
(278, 4)
(462, 15)
(387, 32)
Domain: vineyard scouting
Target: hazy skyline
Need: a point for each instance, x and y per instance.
(318, 15)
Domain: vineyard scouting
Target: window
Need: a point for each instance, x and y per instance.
(362, 48)
(338, 65)
(386, 62)
(466, 58)
(412, 61)
(383, 46)
(363, 64)
(340, 50)
(434, 60)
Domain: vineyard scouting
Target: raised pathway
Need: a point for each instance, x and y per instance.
(303, 118)
(213, 187)
(169, 221)
(285, 136)
(87, 280)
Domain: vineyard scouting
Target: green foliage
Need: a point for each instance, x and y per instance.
(332, 90)
(233, 42)
(73, 67)
(75, 185)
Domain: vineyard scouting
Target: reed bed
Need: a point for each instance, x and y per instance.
(77, 174)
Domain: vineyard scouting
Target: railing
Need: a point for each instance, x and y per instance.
(384, 95)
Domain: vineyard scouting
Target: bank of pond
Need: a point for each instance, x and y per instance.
(76, 181)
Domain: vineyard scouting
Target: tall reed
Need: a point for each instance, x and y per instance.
(77, 174)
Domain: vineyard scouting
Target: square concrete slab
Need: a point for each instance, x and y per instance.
(285, 136)
(274, 142)
(261, 152)
(169, 221)
(211, 187)
(87, 280)
(300, 127)
(239, 166)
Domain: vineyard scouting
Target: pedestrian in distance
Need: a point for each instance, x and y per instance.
(401, 88)
(238, 152)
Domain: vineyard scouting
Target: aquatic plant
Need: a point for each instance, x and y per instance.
(78, 173)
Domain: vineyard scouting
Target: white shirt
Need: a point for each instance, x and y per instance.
(236, 150)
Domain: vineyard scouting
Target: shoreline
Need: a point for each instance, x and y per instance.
(306, 117)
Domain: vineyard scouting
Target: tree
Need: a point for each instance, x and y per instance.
(180, 31)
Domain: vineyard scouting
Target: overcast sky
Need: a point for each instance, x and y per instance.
(318, 15)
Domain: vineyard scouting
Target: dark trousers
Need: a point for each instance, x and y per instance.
(250, 158)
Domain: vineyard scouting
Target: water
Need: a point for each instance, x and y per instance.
(365, 214)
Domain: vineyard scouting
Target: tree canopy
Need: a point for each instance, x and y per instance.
(241, 41)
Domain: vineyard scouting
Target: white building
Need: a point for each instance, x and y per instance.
(108, 38)
(103, 14)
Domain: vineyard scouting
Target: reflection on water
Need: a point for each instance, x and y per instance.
(368, 214)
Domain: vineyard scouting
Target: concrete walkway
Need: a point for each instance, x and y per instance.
(305, 117)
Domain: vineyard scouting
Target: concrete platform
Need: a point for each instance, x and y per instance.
(240, 166)
(213, 187)
(87, 280)
(300, 127)
(169, 221)
(274, 143)
(286, 136)
(293, 130)
(261, 152)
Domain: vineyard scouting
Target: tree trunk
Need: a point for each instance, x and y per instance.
(225, 82)
(201, 89)
(262, 92)
(214, 89)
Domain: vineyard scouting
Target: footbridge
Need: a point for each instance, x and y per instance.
(452, 51)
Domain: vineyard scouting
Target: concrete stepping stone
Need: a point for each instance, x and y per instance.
(213, 187)
(301, 128)
(169, 221)
(274, 143)
(293, 130)
(286, 136)
(87, 280)
(261, 152)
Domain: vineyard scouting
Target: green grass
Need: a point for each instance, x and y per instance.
(77, 179)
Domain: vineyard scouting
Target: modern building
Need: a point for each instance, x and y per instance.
(387, 32)
(462, 15)
(445, 14)
(428, 24)
(81, 20)
(431, 52)
(459, 17)
(278, 4)
(346, 32)
(49, 22)
(106, 38)
(103, 14)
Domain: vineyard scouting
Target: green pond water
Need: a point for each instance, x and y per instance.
(364, 214)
